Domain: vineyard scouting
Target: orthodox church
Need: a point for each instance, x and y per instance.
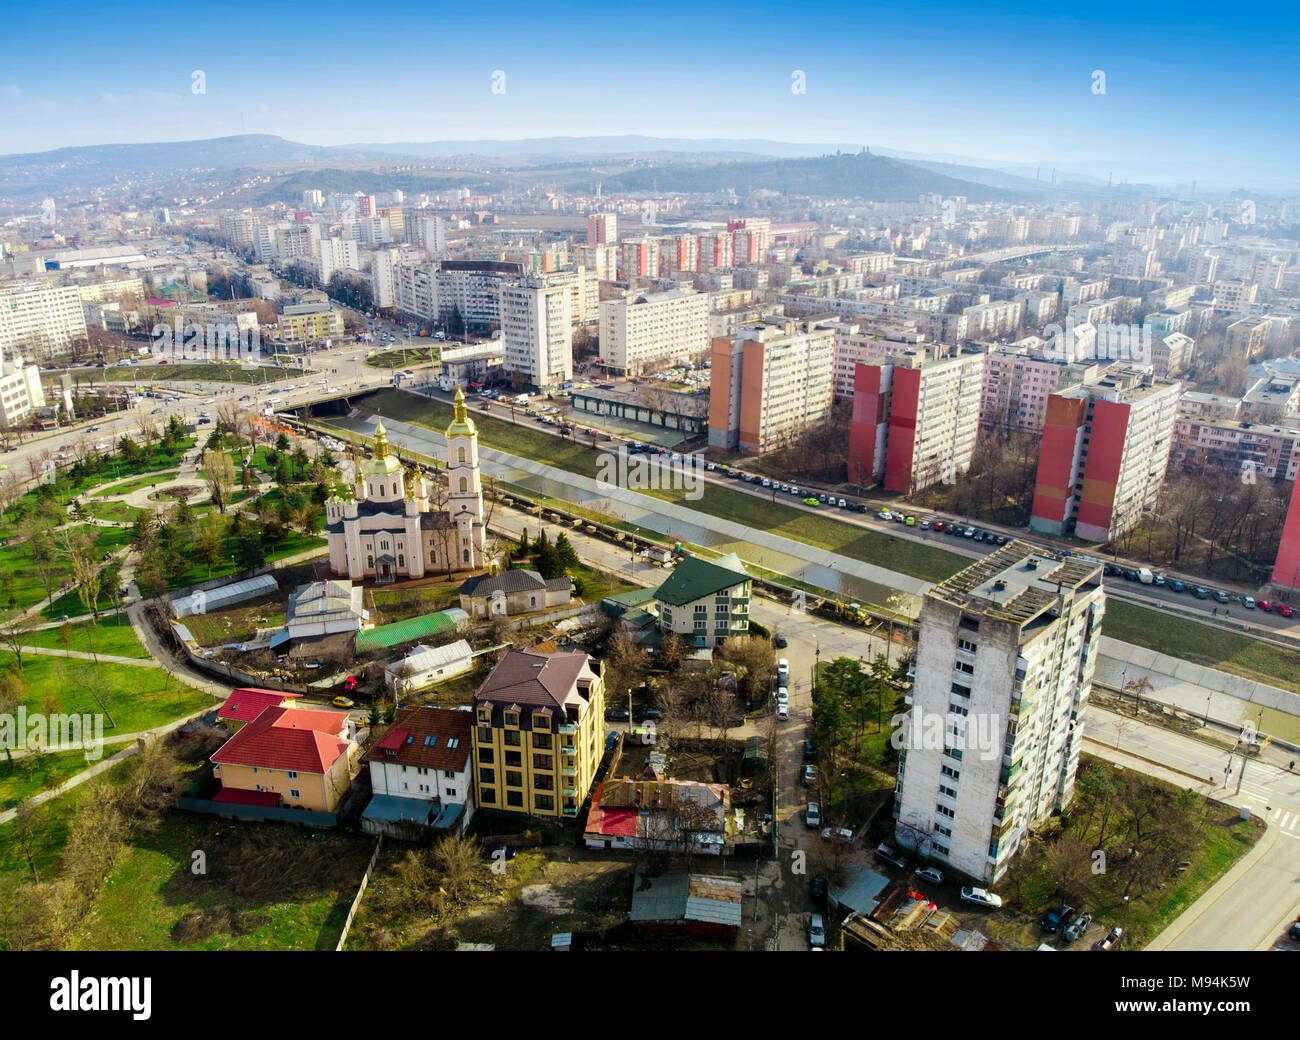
(383, 529)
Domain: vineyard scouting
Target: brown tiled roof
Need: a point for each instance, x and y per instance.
(531, 680)
(443, 725)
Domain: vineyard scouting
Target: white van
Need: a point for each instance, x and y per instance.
(783, 672)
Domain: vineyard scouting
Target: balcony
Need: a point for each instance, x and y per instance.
(569, 792)
(567, 729)
(568, 749)
(569, 770)
(570, 810)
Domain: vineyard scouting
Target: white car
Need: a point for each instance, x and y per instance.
(840, 834)
(981, 897)
(931, 874)
(783, 711)
(333, 390)
(782, 695)
(813, 815)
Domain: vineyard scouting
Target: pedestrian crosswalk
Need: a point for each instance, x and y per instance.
(1287, 821)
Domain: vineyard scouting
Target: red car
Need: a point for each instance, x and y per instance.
(349, 684)
(1284, 610)
(939, 525)
(1265, 605)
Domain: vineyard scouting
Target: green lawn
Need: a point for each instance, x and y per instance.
(1202, 644)
(112, 636)
(25, 584)
(116, 512)
(125, 487)
(192, 373)
(49, 832)
(29, 775)
(292, 544)
(136, 697)
(397, 357)
(268, 886)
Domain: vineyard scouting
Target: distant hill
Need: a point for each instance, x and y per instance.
(855, 175)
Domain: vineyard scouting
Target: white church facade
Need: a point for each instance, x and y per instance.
(384, 530)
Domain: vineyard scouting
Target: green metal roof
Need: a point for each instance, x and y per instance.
(386, 636)
(694, 579)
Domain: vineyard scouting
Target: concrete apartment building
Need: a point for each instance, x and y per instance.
(1252, 448)
(473, 288)
(536, 333)
(309, 322)
(1003, 672)
(40, 318)
(602, 229)
(915, 419)
(1286, 568)
(858, 342)
(20, 390)
(1103, 456)
(638, 258)
(768, 384)
(644, 331)
(539, 733)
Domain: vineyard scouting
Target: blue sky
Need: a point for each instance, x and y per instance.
(1208, 90)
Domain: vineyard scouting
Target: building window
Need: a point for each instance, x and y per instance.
(542, 740)
(514, 758)
(514, 778)
(943, 810)
(541, 761)
(511, 737)
(487, 795)
(294, 793)
(541, 721)
(292, 775)
(515, 798)
(512, 718)
(464, 485)
(487, 776)
(401, 560)
(370, 561)
(545, 802)
(485, 754)
(460, 454)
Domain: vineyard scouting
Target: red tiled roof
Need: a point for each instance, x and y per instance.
(247, 703)
(304, 740)
(395, 739)
(239, 796)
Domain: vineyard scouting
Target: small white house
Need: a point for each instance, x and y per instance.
(420, 774)
(428, 665)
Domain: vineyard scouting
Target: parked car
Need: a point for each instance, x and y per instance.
(884, 514)
(816, 931)
(940, 526)
(349, 684)
(909, 521)
(812, 815)
(891, 856)
(1248, 602)
(809, 775)
(1076, 928)
(782, 712)
(981, 897)
(1285, 609)
(343, 702)
(1176, 586)
(819, 886)
(617, 715)
(840, 834)
(810, 501)
(1200, 592)
(807, 750)
(932, 874)
(925, 525)
(780, 642)
(1265, 605)
(782, 695)
(969, 532)
(1111, 941)
(1222, 596)
(1052, 920)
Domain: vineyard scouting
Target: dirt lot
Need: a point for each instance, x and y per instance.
(539, 892)
(240, 622)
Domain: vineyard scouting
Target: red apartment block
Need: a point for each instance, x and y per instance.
(1286, 571)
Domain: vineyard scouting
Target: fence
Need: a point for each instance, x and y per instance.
(361, 891)
(307, 817)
